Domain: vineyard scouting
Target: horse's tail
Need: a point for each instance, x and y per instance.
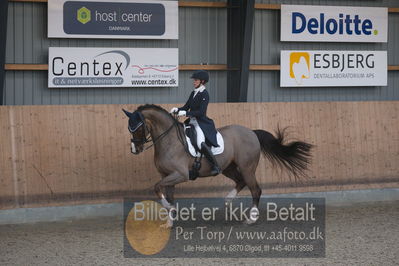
(294, 156)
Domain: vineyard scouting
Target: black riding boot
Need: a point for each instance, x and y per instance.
(209, 156)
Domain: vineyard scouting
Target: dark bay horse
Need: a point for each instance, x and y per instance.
(243, 146)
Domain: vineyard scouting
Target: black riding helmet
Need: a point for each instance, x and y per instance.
(201, 75)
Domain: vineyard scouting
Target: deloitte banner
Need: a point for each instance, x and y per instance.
(113, 67)
(121, 19)
(333, 24)
(333, 68)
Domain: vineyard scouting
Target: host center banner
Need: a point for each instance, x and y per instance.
(112, 67)
(122, 19)
(333, 24)
(333, 68)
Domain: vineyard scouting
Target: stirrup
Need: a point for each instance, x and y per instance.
(194, 172)
(215, 171)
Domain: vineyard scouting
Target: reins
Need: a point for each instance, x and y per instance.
(180, 136)
(154, 141)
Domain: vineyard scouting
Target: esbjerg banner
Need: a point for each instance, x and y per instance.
(121, 19)
(112, 67)
(333, 68)
(333, 23)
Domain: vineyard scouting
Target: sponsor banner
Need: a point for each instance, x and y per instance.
(333, 68)
(113, 67)
(121, 19)
(333, 24)
(212, 228)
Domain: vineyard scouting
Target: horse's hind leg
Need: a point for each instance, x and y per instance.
(250, 180)
(234, 174)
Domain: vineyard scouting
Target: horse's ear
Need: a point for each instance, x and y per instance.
(128, 114)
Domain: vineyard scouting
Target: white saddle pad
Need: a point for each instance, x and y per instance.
(215, 150)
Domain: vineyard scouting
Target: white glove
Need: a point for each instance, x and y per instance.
(174, 110)
(182, 113)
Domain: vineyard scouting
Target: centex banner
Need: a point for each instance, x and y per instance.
(113, 67)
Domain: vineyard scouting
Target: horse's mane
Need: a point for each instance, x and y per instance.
(154, 107)
(151, 106)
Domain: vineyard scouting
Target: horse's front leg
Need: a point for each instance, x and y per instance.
(167, 182)
(170, 194)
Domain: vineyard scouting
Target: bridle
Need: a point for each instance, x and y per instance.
(146, 139)
(143, 128)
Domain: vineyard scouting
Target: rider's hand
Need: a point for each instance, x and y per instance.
(181, 113)
(174, 110)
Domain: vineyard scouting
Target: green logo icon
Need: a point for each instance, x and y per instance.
(84, 15)
(375, 32)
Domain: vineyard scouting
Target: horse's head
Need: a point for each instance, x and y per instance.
(138, 130)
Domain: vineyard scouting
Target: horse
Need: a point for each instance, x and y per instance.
(239, 160)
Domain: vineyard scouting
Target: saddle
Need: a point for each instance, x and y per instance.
(191, 134)
(191, 138)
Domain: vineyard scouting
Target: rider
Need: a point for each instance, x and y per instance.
(195, 108)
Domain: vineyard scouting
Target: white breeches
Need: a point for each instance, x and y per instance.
(200, 134)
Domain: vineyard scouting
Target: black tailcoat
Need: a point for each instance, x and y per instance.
(196, 107)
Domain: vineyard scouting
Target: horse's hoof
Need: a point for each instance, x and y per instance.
(253, 217)
(166, 226)
(166, 204)
(228, 201)
(249, 221)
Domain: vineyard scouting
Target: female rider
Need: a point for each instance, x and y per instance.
(195, 108)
